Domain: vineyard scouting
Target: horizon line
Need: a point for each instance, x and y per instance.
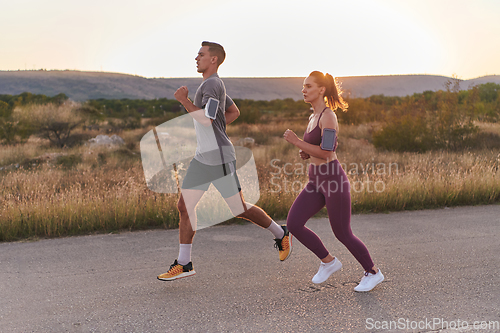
(233, 77)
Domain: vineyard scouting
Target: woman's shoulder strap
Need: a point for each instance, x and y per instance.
(321, 114)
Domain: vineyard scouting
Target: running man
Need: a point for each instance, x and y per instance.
(214, 162)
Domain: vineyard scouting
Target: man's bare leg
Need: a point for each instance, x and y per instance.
(240, 208)
(182, 266)
(187, 212)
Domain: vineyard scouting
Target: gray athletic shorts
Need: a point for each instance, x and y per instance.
(199, 176)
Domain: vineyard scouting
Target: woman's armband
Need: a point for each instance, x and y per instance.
(328, 140)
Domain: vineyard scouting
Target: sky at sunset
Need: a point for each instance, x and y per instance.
(262, 38)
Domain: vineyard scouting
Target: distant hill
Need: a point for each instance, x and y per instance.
(81, 86)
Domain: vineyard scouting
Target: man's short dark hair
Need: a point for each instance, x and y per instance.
(216, 50)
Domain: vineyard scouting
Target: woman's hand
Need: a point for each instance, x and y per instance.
(304, 155)
(291, 137)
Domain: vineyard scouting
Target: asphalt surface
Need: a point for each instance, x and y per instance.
(441, 267)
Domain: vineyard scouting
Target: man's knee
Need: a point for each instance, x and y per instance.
(240, 209)
(239, 212)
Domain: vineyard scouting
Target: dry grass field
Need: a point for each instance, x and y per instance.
(81, 190)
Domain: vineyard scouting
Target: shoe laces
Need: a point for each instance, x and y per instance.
(278, 244)
(372, 273)
(174, 265)
(367, 274)
(175, 269)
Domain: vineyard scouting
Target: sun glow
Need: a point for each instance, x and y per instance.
(278, 38)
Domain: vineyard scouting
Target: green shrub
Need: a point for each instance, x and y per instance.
(404, 134)
(68, 161)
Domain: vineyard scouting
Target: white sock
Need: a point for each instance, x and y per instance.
(184, 254)
(277, 230)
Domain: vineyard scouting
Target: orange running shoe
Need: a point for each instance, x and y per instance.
(177, 271)
(284, 245)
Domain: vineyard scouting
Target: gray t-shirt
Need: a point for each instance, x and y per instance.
(213, 144)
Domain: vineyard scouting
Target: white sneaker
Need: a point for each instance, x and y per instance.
(325, 270)
(369, 281)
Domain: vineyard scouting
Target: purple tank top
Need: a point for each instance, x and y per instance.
(314, 136)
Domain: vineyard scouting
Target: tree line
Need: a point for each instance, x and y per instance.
(430, 120)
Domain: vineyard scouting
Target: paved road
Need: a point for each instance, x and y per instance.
(441, 264)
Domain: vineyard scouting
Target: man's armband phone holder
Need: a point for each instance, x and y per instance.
(211, 108)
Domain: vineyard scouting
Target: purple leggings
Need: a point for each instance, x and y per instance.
(328, 185)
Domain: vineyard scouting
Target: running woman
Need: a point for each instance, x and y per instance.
(328, 184)
(214, 162)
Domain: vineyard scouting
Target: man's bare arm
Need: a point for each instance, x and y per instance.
(232, 113)
(198, 114)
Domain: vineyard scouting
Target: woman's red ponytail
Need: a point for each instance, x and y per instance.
(333, 92)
